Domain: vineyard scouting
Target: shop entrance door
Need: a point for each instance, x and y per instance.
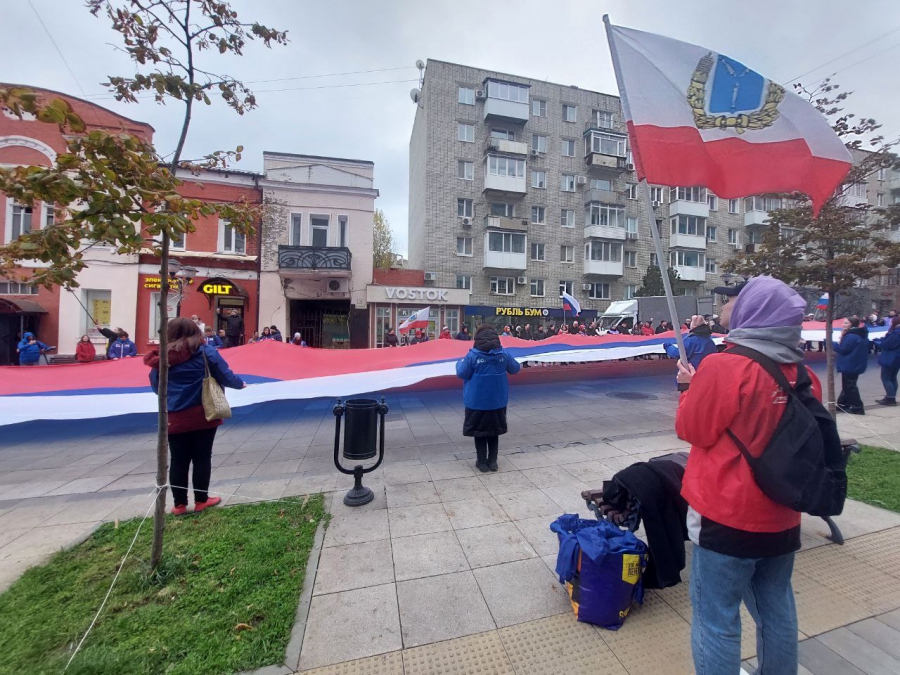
(224, 305)
(12, 326)
(321, 324)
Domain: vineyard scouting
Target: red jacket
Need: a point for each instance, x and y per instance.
(85, 352)
(647, 330)
(731, 391)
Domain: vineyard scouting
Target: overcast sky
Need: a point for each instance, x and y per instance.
(558, 40)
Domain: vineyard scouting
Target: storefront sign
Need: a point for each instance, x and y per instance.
(155, 283)
(397, 294)
(520, 311)
(527, 312)
(219, 286)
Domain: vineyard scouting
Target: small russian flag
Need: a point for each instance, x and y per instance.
(823, 302)
(570, 304)
(417, 320)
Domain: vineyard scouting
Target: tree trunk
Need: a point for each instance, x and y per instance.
(162, 428)
(829, 355)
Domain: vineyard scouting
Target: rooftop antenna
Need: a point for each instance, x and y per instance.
(420, 64)
(416, 93)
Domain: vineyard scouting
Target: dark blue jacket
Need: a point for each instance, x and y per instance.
(30, 352)
(214, 341)
(122, 348)
(890, 350)
(853, 351)
(697, 346)
(186, 378)
(486, 385)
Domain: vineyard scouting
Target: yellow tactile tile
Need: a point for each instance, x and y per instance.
(383, 664)
(556, 645)
(880, 550)
(821, 609)
(481, 654)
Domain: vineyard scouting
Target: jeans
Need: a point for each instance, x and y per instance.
(889, 380)
(486, 449)
(849, 398)
(191, 447)
(718, 584)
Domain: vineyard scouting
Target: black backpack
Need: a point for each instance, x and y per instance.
(803, 466)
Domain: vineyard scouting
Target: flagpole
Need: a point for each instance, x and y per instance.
(644, 188)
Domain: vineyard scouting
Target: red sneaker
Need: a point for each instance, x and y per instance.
(179, 510)
(211, 501)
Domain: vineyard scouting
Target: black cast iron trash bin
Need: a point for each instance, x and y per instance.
(359, 442)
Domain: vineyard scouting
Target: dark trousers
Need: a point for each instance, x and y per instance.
(849, 398)
(486, 449)
(191, 447)
(889, 380)
(233, 340)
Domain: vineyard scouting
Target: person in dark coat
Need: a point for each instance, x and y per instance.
(390, 338)
(110, 335)
(463, 334)
(484, 371)
(528, 334)
(419, 337)
(889, 360)
(852, 359)
(234, 329)
(541, 333)
(662, 327)
(551, 330)
(276, 334)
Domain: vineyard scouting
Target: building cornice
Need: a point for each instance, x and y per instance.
(328, 189)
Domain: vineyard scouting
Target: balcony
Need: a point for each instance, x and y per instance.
(596, 160)
(507, 185)
(756, 218)
(506, 111)
(682, 207)
(322, 261)
(604, 267)
(605, 150)
(604, 232)
(503, 223)
(691, 273)
(507, 147)
(694, 241)
(504, 260)
(602, 196)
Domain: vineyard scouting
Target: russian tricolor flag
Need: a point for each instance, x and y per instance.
(823, 302)
(570, 304)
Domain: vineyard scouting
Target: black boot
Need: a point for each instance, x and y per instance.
(887, 400)
(481, 455)
(492, 456)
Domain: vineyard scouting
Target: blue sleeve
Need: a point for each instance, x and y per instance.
(42, 345)
(220, 370)
(154, 380)
(512, 366)
(847, 344)
(891, 340)
(22, 344)
(671, 350)
(132, 349)
(464, 367)
(217, 341)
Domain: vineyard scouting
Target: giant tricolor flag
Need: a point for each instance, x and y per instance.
(696, 117)
(417, 320)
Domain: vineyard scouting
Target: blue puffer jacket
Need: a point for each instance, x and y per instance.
(213, 341)
(697, 346)
(186, 373)
(853, 351)
(890, 350)
(30, 352)
(122, 348)
(486, 386)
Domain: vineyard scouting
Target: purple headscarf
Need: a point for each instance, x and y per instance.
(766, 302)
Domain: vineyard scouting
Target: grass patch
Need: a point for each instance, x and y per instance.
(873, 477)
(222, 600)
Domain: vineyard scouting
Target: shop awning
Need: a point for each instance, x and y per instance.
(17, 306)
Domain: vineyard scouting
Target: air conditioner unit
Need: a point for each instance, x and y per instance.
(586, 287)
(522, 280)
(750, 248)
(581, 180)
(525, 222)
(631, 235)
(479, 94)
(534, 152)
(466, 222)
(430, 276)
(629, 166)
(338, 286)
(656, 205)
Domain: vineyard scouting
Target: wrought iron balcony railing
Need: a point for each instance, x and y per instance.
(314, 258)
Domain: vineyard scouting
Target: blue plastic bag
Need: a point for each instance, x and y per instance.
(601, 567)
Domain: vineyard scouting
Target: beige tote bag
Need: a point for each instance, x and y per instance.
(215, 405)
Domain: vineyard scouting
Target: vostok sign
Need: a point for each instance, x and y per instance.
(415, 294)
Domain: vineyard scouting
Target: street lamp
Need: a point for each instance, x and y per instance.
(179, 276)
(727, 278)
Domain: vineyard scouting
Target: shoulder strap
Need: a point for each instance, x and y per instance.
(205, 362)
(768, 365)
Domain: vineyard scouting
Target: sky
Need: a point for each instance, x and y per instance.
(314, 98)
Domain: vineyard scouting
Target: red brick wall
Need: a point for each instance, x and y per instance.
(399, 277)
(206, 234)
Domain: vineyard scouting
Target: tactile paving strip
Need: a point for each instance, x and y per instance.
(821, 609)
(383, 664)
(481, 654)
(852, 577)
(880, 550)
(655, 639)
(556, 645)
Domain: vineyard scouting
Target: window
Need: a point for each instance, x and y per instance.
(687, 194)
(465, 208)
(99, 306)
(734, 206)
(465, 170)
(502, 209)
(711, 232)
(21, 221)
(754, 237)
(607, 215)
(451, 320)
(762, 203)
(538, 215)
(631, 191)
(601, 184)
(605, 144)
(856, 190)
(686, 259)
(606, 251)
(653, 260)
(789, 233)
(734, 237)
(692, 225)
(712, 201)
(539, 179)
(318, 226)
(568, 147)
(567, 218)
(711, 267)
(603, 119)
(506, 166)
(630, 290)
(631, 226)
(538, 143)
(537, 252)
(343, 232)
(689, 291)
(467, 96)
(464, 246)
(566, 254)
(538, 108)
(882, 173)
(658, 194)
(232, 241)
(49, 215)
(879, 199)
(566, 287)
(464, 282)
(507, 91)
(630, 258)
(503, 134)
(569, 113)
(506, 242)
(17, 288)
(382, 322)
(537, 288)
(176, 242)
(567, 182)
(599, 291)
(465, 132)
(503, 286)
(659, 224)
(296, 229)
